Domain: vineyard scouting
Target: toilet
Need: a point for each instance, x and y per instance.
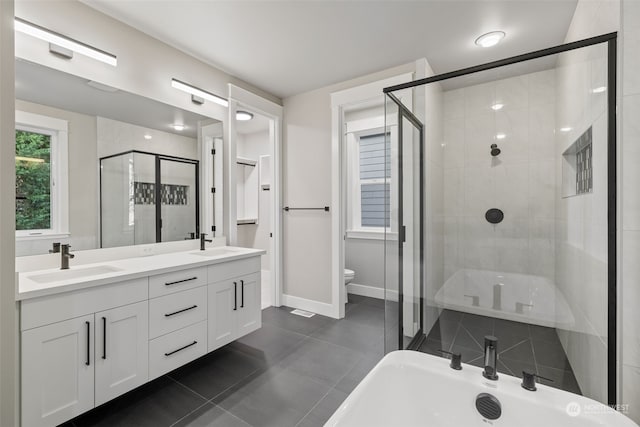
(348, 277)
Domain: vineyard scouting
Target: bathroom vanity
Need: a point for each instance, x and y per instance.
(96, 331)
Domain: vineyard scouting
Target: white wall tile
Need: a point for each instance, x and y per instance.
(478, 99)
(631, 391)
(630, 162)
(513, 92)
(630, 297)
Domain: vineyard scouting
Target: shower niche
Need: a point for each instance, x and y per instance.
(577, 166)
(147, 198)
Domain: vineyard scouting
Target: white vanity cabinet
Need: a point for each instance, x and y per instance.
(234, 301)
(57, 372)
(70, 366)
(87, 345)
(121, 350)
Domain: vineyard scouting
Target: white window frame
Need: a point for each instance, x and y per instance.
(355, 130)
(58, 130)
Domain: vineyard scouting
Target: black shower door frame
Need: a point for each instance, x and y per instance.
(611, 40)
(158, 207)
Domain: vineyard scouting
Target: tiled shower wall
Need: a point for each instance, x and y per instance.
(630, 177)
(581, 228)
(520, 181)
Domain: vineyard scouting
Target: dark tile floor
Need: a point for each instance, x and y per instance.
(293, 371)
(521, 346)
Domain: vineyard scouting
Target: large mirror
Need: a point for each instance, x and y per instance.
(98, 167)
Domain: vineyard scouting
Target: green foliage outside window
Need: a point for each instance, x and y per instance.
(33, 181)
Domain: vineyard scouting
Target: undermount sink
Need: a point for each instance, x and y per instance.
(408, 388)
(216, 252)
(79, 273)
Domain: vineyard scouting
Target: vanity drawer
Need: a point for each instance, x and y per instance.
(175, 311)
(168, 283)
(229, 269)
(173, 350)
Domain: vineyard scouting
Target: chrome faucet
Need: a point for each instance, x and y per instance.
(65, 256)
(203, 240)
(490, 357)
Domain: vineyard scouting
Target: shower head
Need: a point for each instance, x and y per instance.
(495, 150)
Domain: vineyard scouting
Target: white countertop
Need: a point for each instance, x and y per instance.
(127, 269)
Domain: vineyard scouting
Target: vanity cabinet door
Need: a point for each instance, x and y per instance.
(249, 311)
(224, 303)
(121, 350)
(57, 371)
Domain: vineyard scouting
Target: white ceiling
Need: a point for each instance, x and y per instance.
(289, 47)
(46, 86)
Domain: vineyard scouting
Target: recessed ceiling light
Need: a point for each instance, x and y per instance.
(497, 106)
(500, 136)
(243, 115)
(566, 129)
(177, 126)
(490, 39)
(599, 89)
(148, 137)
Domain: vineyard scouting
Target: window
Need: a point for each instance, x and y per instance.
(369, 170)
(374, 155)
(41, 176)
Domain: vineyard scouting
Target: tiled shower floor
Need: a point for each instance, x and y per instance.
(520, 346)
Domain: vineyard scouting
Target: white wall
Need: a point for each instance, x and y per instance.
(9, 367)
(116, 137)
(629, 295)
(83, 181)
(581, 221)
(519, 181)
(307, 183)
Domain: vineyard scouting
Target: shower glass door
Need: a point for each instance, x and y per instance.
(178, 199)
(404, 237)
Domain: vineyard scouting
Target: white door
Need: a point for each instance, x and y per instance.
(249, 311)
(122, 350)
(223, 301)
(57, 372)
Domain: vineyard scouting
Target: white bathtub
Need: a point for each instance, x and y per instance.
(511, 296)
(411, 389)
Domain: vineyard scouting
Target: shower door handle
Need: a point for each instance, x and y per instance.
(403, 234)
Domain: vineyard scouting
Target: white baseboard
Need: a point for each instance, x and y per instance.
(371, 291)
(308, 305)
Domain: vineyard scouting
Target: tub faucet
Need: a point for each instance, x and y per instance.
(490, 357)
(65, 256)
(55, 249)
(203, 240)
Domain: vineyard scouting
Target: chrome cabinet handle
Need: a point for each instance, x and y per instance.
(180, 311)
(181, 348)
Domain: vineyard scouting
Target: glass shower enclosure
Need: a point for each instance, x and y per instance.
(147, 198)
(502, 215)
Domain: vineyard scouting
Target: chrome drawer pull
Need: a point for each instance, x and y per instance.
(180, 311)
(180, 281)
(181, 348)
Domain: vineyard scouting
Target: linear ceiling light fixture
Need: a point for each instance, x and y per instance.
(185, 87)
(64, 42)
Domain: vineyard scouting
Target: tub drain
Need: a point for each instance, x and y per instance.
(488, 406)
